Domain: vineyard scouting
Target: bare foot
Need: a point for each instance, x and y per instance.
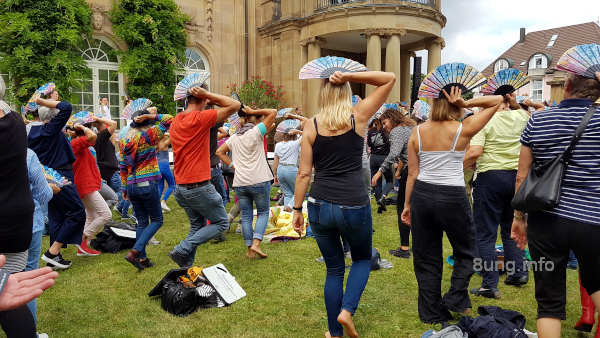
(256, 249)
(328, 335)
(251, 254)
(345, 318)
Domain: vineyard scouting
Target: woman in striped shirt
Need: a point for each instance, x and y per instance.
(140, 175)
(575, 223)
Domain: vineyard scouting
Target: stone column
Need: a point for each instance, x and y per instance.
(373, 54)
(312, 98)
(405, 88)
(434, 51)
(304, 84)
(392, 63)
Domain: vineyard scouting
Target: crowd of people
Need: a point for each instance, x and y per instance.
(338, 161)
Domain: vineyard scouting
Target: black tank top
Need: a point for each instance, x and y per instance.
(338, 168)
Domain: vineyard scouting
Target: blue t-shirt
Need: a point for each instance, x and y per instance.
(548, 134)
(288, 152)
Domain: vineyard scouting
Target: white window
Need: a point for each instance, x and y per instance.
(104, 80)
(194, 61)
(537, 90)
(538, 61)
(500, 65)
(552, 40)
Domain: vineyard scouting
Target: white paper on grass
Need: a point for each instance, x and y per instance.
(123, 233)
(225, 284)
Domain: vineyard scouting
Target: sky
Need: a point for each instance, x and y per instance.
(478, 31)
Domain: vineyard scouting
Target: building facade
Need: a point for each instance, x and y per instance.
(537, 53)
(238, 39)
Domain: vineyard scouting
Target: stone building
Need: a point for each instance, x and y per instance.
(238, 39)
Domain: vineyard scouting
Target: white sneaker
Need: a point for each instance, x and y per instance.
(153, 241)
(42, 335)
(164, 206)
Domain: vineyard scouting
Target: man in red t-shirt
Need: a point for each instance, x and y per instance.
(190, 133)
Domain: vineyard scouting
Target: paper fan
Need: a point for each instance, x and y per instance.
(323, 68)
(505, 82)
(235, 123)
(29, 107)
(5, 107)
(46, 89)
(355, 100)
(287, 125)
(54, 177)
(285, 111)
(449, 75)
(82, 117)
(421, 110)
(2, 87)
(189, 82)
(135, 106)
(583, 60)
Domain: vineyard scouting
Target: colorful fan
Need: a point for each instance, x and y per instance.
(505, 82)
(54, 177)
(287, 125)
(234, 123)
(46, 89)
(355, 100)
(285, 111)
(29, 107)
(189, 82)
(583, 60)
(449, 75)
(323, 68)
(421, 110)
(382, 110)
(135, 106)
(82, 117)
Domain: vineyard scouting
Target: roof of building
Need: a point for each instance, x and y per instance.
(539, 42)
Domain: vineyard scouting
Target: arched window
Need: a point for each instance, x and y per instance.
(194, 61)
(538, 61)
(103, 81)
(500, 65)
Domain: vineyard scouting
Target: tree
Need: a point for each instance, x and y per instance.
(154, 31)
(39, 43)
(258, 93)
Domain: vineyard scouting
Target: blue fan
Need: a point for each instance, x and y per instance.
(355, 100)
(53, 176)
(505, 82)
(287, 125)
(421, 110)
(46, 89)
(450, 75)
(135, 106)
(285, 111)
(382, 110)
(82, 117)
(29, 107)
(189, 82)
(583, 60)
(323, 68)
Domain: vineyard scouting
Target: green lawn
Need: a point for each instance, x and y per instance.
(106, 297)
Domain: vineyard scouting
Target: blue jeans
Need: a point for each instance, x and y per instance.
(248, 195)
(381, 189)
(329, 222)
(287, 181)
(33, 262)
(216, 178)
(492, 193)
(167, 175)
(200, 203)
(115, 184)
(146, 206)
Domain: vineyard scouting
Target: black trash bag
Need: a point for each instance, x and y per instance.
(179, 300)
(109, 242)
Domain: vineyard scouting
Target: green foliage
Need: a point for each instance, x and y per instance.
(154, 31)
(39, 43)
(259, 93)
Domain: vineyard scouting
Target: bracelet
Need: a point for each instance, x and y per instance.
(518, 216)
(297, 209)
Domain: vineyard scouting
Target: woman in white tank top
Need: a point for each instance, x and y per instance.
(436, 202)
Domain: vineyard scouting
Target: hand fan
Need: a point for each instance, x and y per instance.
(449, 75)
(235, 123)
(135, 106)
(2, 87)
(421, 110)
(521, 99)
(5, 107)
(53, 176)
(189, 82)
(241, 112)
(46, 89)
(323, 68)
(378, 113)
(29, 107)
(287, 125)
(505, 82)
(355, 100)
(284, 111)
(583, 60)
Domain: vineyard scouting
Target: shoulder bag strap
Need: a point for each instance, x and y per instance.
(580, 129)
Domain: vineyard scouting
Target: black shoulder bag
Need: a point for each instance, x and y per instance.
(541, 189)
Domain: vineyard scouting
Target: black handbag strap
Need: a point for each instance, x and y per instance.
(580, 129)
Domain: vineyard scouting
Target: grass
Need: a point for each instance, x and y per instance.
(105, 297)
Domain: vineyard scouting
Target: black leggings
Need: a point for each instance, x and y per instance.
(18, 323)
(403, 228)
